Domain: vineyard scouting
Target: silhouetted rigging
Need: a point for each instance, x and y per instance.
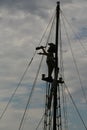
(55, 80)
(52, 115)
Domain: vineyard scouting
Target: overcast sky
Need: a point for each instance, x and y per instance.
(22, 23)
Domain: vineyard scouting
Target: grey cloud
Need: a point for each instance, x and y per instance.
(36, 7)
(66, 1)
(19, 32)
(32, 7)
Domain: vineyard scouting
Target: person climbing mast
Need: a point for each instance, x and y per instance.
(50, 58)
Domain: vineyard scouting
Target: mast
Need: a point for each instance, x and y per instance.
(56, 71)
(52, 106)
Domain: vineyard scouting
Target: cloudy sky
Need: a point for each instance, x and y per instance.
(22, 23)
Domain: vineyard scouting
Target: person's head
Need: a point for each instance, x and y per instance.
(52, 47)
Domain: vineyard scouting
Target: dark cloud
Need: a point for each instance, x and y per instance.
(33, 7)
(36, 7)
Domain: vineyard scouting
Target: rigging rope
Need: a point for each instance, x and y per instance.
(78, 36)
(22, 77)
(29, 98)
(79, 80)
(62, 86)
(84, 94)
(28, 102)
(16, 89)
(71, 96)
(39, 122)
(75, 106)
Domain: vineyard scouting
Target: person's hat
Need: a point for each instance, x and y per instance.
(51, 44)
(52, 47)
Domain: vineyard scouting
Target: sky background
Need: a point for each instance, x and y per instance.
(22, 23)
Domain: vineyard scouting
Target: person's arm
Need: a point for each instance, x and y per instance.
(44, 52)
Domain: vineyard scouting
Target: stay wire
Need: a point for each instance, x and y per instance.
(75, 106)
(78, 36)
(75, 63)
(40, 122)
(15, 89)
(2, 114)
(50, 22)
(62, 86)
(53, 21)
(61, 56)
(28, 102)
(29, 98)
(46, 45)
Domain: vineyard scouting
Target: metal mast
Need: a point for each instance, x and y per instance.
(52, 118)
(56, 96)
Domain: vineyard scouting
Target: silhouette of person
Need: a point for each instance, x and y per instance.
(50, 58)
